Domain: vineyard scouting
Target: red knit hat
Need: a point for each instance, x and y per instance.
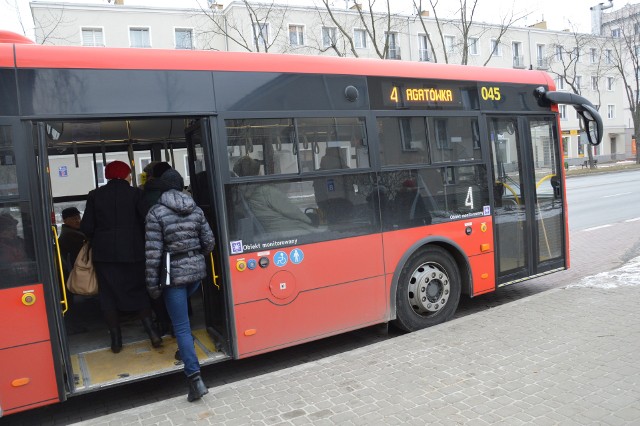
(117, 170)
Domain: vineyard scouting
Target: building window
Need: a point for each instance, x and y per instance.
(542, 61)
(559, 83)
(575, 53)
(615, 33)
(360, 39)
(578, 82)
(329, 36)
(473, 46)
(611, 111)
(593, 55)
(139, 37)
(610, 84)
(518, 58)
(92, 37)
(594, 83)
(636, 28)
(393, 48)
(608, 56)
(261, 34)
(563, 112)
(565, 145)
(296, 35)
(425, 49)
(449, 44)
(559, 53)
(496, 49)
(184, 38)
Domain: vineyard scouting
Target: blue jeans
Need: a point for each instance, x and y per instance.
(175, 298)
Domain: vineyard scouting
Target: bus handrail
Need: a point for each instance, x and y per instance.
(213, 272)
(64, 300)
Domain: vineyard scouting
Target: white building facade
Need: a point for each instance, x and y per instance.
(577, 62)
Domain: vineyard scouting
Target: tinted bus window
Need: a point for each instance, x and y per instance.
(454, 139)
(266, 215)
(332, 143)
(8, 176)
(17, 257)
(403, 140)
(268, 141)
(424, 196)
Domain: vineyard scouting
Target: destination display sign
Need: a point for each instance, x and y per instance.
(412, 94)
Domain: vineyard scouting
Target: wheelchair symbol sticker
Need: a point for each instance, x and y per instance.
(280, 259)
(296, 255)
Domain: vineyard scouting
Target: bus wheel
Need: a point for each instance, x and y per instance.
(428, 290)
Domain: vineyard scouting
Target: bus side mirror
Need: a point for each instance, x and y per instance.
(589, 115)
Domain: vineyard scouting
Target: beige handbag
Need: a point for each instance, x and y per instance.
(82, 279)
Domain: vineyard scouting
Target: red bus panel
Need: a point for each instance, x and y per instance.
(477, 246)
(27, 376)
(322, 294)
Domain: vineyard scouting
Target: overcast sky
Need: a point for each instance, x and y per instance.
(559, 14)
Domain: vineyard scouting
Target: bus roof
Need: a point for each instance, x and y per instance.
(73, 57)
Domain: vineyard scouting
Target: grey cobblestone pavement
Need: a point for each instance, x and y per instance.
(567, 356)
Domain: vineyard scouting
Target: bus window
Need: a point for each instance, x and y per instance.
(261, 213)
(411, 133)
(17, 257)
(268, 141)
(433, 195)
(332, 143)
(8, 176)
(454, 139)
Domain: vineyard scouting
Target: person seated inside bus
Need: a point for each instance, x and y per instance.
(332, 192)
(12, 248)
(71, 238)
(269, 205)
(409, 206)
(70, 241)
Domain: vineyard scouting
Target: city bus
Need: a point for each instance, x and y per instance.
(342, 192)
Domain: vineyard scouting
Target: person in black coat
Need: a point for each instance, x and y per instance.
(114, 222)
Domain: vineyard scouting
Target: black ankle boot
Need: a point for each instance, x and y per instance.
(116, 339)
(156, 340)
(197, 388)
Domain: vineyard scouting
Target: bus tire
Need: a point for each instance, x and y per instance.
(428, 289)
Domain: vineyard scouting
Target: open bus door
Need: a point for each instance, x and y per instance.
(199, 144)
(528, 200)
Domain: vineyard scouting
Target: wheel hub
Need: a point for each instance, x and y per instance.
(428, 289)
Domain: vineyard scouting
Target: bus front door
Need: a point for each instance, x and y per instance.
(528, 206)
(199, 145)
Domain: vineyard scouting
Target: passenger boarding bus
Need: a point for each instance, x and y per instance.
(342, 193)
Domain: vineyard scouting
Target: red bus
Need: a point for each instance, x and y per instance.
(343, 193)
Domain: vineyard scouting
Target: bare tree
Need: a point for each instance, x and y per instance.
(48, 27)
(13, 4)
(466, 26)
(566, 60)
(267, 22)
(625, 59)
(371, 22)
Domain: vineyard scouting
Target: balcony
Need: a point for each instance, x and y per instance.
(394, 53)
(542, 64)
(518, 61)
(425, 55)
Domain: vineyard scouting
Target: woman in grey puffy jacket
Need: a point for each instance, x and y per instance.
(178, 226)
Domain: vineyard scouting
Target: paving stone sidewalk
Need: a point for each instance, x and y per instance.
(567, 356)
